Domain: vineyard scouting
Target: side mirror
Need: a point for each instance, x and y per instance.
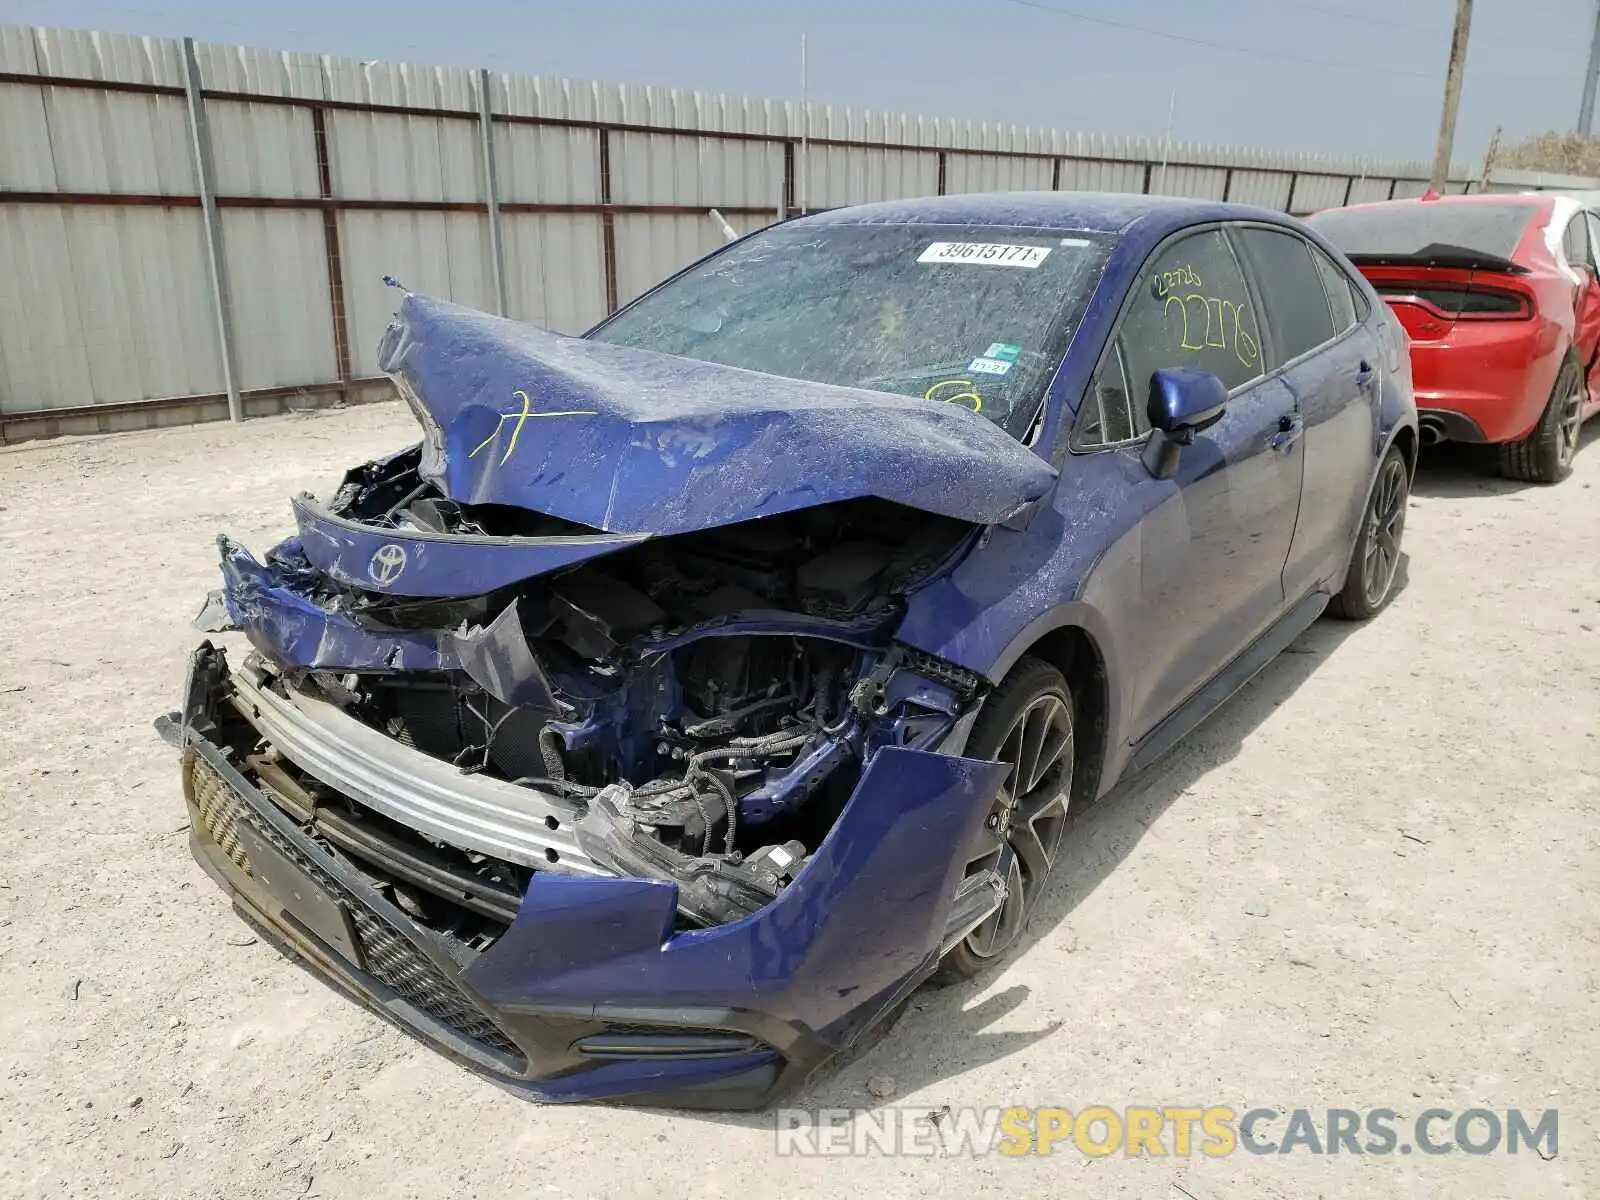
(1183, 401)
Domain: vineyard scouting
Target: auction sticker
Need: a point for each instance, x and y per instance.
(988, 254)
(989, 366)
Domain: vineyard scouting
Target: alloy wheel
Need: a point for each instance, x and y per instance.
(1386, 521)
(1570, 428)
(1025, 828)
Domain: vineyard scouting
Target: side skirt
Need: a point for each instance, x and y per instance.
(1226, 682)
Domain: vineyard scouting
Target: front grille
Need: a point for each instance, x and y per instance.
(219, 808)
(390, 956)
(398, 963)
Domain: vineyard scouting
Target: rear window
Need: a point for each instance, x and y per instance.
(1297, 305)
(1411, 226)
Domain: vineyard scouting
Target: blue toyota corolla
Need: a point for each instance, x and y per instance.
(695, 689)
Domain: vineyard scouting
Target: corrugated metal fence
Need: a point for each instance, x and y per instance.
(126, 305)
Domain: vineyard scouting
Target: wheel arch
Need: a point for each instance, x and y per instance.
(1406, 439)
(1072, 650)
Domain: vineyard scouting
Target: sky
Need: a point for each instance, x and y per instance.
(1344, 77)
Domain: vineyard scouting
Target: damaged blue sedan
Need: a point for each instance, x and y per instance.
(697, 688)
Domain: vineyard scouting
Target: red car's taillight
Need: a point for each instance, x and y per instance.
(1474, 301)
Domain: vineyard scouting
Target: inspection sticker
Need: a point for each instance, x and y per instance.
(989, 366)
(990, 254)
(1003, 351)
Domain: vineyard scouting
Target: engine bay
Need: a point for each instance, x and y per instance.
(709, 698)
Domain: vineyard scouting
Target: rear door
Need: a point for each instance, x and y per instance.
(1329, 364)
(1577, 246)
(1588, 318)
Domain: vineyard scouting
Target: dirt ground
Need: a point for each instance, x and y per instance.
(1371, 881)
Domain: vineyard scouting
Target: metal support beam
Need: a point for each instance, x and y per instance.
(200, 143)
(791, 192)
(330, 245)
(608, 224)
(491, 191)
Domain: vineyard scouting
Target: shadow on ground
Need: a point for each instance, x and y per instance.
(1454, 471)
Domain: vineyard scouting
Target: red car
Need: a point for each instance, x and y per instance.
(1501, 300)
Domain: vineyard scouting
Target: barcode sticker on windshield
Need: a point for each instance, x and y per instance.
(989, 254)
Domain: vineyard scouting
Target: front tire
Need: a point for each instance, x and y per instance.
(1546, 454)
(1369, 583)
(1028, 723)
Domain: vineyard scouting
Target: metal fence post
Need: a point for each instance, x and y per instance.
(200, 141)
(491, 191)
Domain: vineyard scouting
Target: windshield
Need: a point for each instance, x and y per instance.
(1411, 226)
(973, 315)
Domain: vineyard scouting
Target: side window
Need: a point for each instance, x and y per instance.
(1341, 295)
(1575, 242)
(1292, 294)
(1594, 228)
(1190, 308)
(1112, 412)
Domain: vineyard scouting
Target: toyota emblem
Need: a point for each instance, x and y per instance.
(387, 564)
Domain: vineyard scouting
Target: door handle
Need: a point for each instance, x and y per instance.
(1364, 374)
(1290, 428)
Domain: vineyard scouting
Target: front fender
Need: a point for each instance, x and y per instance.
(861, 923)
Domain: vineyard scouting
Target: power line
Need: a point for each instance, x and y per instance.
(1344, 14)
(1168, 35)
(1250, 51)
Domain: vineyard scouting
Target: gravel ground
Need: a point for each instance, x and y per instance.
(1369, 882)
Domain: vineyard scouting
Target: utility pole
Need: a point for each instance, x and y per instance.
(1586, 111)
(1166, 146)
(1452, 97)
(1488, 159)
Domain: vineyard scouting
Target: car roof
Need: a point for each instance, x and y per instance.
(1523, 199)
(1090, 212)
(1585, 198)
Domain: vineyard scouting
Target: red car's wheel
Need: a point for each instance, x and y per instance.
(1546, 454)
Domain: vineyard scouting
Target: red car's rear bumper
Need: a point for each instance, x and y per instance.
(1485, 381)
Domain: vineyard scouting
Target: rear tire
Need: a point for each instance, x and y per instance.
(1369, 583)
(1027, 723)
(1546, 454)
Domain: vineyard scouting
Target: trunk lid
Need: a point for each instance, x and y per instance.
(1432, 289)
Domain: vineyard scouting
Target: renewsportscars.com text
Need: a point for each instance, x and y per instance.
(1147, 1131)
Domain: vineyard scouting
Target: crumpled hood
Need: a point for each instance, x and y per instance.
(632, 441)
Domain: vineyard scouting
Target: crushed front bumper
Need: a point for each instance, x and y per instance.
(590, 994)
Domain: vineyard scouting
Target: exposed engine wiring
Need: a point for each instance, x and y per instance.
(550, 753)
(490, 729)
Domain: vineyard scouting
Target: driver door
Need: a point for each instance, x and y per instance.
(1215, 537)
